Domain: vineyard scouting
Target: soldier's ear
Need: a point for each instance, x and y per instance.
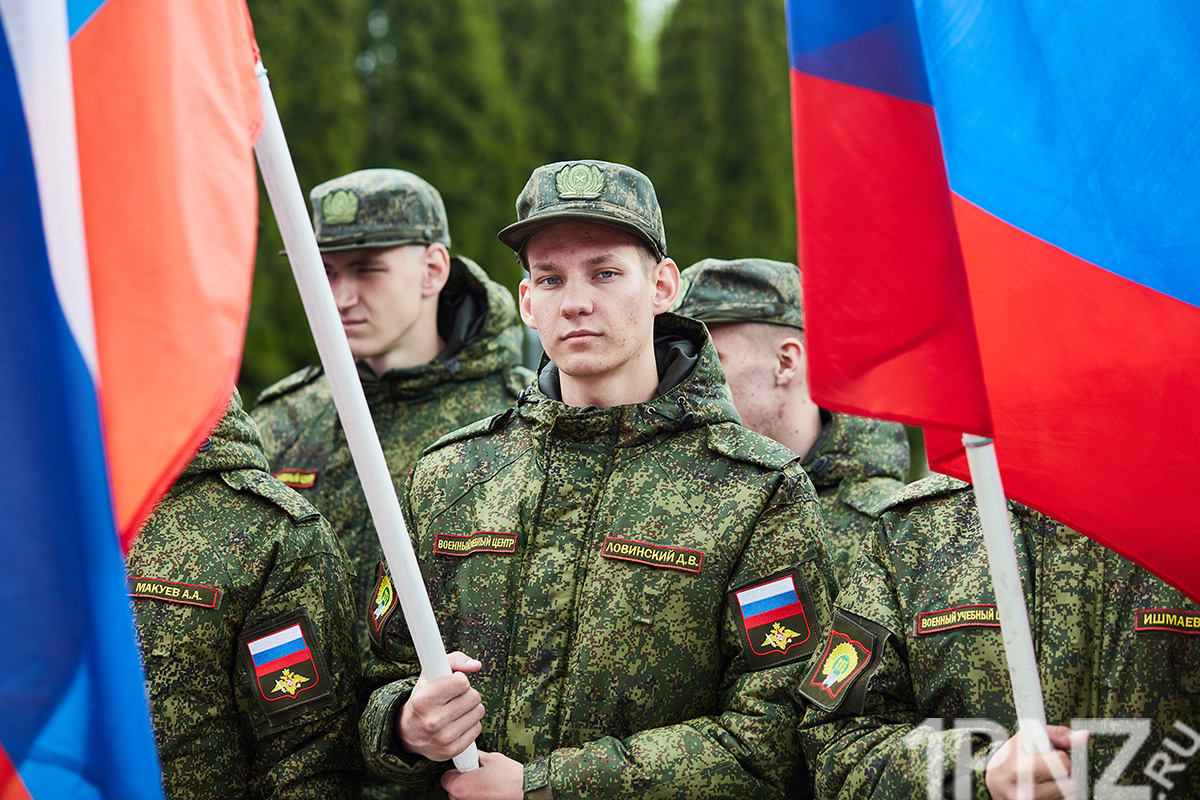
(437, 269)
(665, 275)
(789, 362)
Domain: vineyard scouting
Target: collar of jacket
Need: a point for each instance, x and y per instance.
(477, 319)
(858, 447)
(690, 396)
(234, 444)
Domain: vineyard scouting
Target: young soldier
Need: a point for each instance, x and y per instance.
(638, 577)
(437, 343)
(752, 309)
(918, 639)
(241, 595)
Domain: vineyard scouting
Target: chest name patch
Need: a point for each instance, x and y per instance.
(656, 555)
(1167, 619)
(448, 544)
(288, 666)
(174, 592)
(974, 616)
(773, 617)
(297, 478)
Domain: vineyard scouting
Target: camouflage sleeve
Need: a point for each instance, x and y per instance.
(864, 735)
(750, 748)
(389, 674)
(307, 742)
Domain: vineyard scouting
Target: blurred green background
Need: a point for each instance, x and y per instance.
(474, 94)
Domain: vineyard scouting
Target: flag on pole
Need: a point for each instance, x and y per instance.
(1069, 157)
(110, 124)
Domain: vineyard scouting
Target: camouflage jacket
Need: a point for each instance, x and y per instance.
(855, 465)
(229, 558)
(596, 560)
(918, 639)
(477, 375)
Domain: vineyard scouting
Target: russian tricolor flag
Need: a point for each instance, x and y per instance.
(127, 224)
(998, 217)
(278, 651)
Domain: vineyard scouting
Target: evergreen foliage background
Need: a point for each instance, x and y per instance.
(474, 94)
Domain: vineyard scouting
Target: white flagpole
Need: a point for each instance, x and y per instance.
(1010, 597)
(291, 213)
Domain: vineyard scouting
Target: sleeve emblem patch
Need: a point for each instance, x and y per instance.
(846, 656)
(286, 661)
(383, 599)
(297, 478)
(773, 618)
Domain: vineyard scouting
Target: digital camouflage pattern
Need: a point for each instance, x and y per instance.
(857, 462)
(855, 465)
(922, 600)
(592, 191)
(377, 208)
(478, 374)
(742, 290)
(598, 591)
(227, 550)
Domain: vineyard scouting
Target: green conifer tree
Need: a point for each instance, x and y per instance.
(309, 48)
(717, 140)
(442, 106)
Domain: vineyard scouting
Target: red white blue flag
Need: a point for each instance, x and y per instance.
(997, 208)
(127, 224)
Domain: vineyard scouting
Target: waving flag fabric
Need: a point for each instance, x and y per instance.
(1070, 156)
(127, 207)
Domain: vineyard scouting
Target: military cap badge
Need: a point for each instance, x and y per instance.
(579, 182)
(340, 207)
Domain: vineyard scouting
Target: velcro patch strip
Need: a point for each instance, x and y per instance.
(970, 616)
(449, 544)
(174, 592)
(656, 555)
(1167, 619)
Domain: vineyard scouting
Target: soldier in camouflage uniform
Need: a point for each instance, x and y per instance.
(917, 633)
(639, 577)
(444, 352)
(241, 596)
(752, 309)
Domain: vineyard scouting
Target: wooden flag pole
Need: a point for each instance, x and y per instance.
(291, 213)
(1010, 596)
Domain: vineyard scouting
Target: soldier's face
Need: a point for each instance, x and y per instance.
(383, 296)
(750, 371)
(592, 295)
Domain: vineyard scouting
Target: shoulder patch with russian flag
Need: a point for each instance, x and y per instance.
(773, 617)
(285, 658)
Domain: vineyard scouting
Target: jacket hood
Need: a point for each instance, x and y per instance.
(234, 444)
(856, 448)
(478, 321)
(692, 392)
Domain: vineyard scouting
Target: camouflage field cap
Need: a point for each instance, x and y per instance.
(742, 290)
(592, 191)
(378, 208)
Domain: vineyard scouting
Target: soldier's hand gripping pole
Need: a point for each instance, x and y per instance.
(287, 201)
